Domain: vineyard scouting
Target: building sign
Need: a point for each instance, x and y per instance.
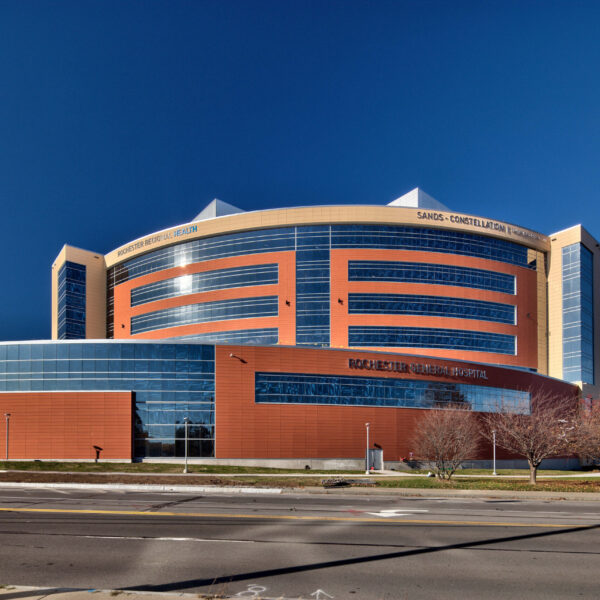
(458, 219)
(416, 368)
(159, 237)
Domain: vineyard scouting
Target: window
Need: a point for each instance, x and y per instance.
(205, 282)
(578, 315)
(71, 301)
(219, 310)
(437, 306)
(423, 337)
(411, 272)
(293, 388)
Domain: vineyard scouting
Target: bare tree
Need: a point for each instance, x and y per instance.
(446, 438)
(586, 438)
(544, 433)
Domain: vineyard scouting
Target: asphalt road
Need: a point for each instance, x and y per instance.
(302, 546)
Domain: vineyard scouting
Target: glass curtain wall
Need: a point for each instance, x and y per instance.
(312, 245)
(578, 314)
(71, 301)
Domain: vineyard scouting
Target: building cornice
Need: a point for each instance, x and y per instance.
(324, 215)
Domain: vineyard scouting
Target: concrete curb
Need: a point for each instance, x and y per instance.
(350, 491)
(131, 487)
(438, 493)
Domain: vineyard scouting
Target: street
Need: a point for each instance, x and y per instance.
(299, 546)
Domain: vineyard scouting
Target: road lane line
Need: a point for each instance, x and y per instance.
(164, 539)
(290, 518)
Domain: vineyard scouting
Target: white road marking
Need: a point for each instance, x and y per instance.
(321, 594)
(396, 512)
(163, 539)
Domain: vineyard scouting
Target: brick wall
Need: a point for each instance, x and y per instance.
(67, 425)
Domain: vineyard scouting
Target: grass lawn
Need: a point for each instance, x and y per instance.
(549, 472)
(142, 468)
(52, 471)
(522, 472)
(544, 485)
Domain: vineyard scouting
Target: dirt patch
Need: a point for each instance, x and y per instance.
(573, 485)
(27, 477)
(101, 478)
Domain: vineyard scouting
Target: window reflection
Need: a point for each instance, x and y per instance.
(293, 388)
(424, 337)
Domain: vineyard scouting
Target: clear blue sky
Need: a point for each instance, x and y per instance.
(121, 118)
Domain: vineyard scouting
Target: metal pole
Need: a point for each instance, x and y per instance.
(186, 421)
(7, 415)
(367, 461)
(494, 438)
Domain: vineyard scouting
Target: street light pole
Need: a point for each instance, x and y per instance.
(367, 459)
(7, 415)
(494, 440)
(186, 421)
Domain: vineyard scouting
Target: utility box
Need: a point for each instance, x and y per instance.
(376, 459)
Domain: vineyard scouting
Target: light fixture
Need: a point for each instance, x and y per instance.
(232, 355)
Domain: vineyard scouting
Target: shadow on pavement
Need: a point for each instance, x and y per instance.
(36, 593)
(192, 583)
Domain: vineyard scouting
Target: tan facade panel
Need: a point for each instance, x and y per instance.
(382, 215)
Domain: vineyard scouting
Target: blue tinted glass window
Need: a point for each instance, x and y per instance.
(577, 313)
(220, 310)
(312, 286)
(293, 388)
(71, 301)
(428, 240)
(204, 282)
(265, 336)
(423, 337)
(438, 306)
(434, 274)
(247, 242)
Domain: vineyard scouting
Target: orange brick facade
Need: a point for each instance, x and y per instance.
(526, 302)
(285, 290)
(246, 429)
(67, 425)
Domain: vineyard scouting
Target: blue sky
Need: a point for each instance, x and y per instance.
(121, 118)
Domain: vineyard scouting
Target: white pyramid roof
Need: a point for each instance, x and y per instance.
(217, 208)
(417, 198)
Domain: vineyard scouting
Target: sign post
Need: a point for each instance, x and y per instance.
(7, 415)
(367, 461)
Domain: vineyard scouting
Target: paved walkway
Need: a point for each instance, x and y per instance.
(358, 490)
(36, 593)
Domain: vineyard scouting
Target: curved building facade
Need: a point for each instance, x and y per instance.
(346, 279)
(320, 319)
(388, 278)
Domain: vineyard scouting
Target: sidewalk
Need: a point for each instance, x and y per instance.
(356, 491)
(36, 593)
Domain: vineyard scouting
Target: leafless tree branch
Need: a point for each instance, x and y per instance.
(586, 441)
(544, 433)
(446, 438)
